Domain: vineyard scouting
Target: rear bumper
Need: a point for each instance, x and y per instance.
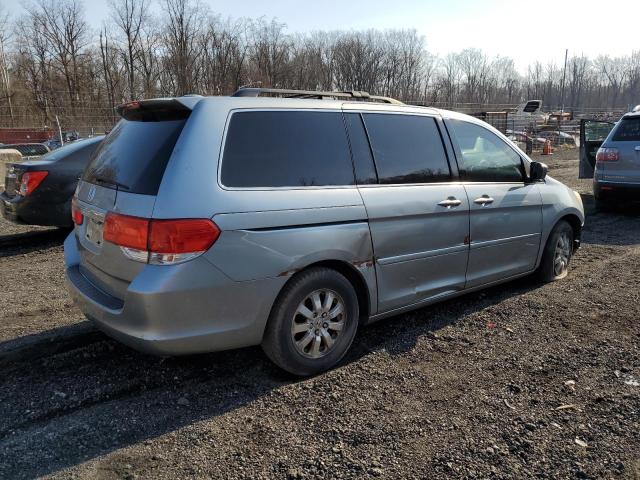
(176, 310)
(604, 191)
(35, 210)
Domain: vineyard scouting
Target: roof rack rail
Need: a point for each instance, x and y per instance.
(286, 93)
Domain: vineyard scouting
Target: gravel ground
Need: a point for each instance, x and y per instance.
(517, 381)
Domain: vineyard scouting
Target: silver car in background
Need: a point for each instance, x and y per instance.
(617, 167)
(211, 223)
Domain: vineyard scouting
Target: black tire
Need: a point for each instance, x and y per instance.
(278, 341)
(549, 271)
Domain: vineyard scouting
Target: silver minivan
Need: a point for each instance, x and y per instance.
(287, 219)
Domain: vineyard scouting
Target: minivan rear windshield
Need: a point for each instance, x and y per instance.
(628, 130)
(134, 156)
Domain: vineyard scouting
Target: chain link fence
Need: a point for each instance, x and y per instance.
(530, 131)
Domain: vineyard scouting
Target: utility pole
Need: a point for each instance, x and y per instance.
(5, 77)
(564, 76)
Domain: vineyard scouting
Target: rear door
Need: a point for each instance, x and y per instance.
(592, 134)
(123, 176)
(418, 213)
(505, 212)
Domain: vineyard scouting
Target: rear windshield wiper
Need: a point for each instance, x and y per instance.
(113, 183)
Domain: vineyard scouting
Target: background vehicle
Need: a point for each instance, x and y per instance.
(522, 138)
(614, 163)
(29, 150)
(39, 192)
(213, 223)
(558, 138)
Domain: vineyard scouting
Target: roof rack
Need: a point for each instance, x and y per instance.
(351, 95)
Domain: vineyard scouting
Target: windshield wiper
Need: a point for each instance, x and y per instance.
(113, 183)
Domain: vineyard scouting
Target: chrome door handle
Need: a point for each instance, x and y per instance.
(483, 200)
(638, 148)
(450, 202)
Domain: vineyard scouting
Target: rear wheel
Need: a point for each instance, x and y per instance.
(557, 253)
(313, 322)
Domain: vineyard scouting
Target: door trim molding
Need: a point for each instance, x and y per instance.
(420, 255)
(499, 241)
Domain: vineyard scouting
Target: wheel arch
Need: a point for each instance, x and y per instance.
(350, 272)
(574, 221)
(576, 225)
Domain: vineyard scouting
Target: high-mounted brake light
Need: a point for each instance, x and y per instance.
(131, 105)
(30, 181)
(160, 242)
(607, 155)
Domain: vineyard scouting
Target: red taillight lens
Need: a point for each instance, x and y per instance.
(76, 214)
(182, 236)
(607, 155)
(30, 181)
(167, 241)
(126, 231)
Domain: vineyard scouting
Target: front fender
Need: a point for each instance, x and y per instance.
(558, 202)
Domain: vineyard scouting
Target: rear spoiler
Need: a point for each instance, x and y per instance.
(158, 109)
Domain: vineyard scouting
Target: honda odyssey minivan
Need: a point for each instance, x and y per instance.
(287, 219)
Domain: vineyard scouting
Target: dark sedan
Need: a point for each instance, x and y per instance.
(39, 192)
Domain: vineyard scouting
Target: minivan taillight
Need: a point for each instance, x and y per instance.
(76, 214)
(30, 181)
(607, 155)
(160, 242)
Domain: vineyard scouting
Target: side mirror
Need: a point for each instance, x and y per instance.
(538, 171)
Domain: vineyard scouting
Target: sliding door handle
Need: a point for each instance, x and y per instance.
(450, 202)
(483, 200)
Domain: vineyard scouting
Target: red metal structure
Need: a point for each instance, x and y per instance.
(25, 135)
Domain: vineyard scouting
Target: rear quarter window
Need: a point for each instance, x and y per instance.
(627, 130)
(265, 149)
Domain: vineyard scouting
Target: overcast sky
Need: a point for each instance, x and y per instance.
(524, 31)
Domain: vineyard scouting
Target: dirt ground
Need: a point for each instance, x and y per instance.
(517, 381)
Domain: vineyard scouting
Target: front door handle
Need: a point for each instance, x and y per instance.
(638, 148)
(450, 202)
(483, 200)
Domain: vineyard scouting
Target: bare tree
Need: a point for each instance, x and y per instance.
(63, 26)
(58, 69)
(129, 16)
(185, 21)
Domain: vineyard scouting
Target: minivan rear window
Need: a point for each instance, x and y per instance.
(628, 130)
(134, 156)
(266, 149)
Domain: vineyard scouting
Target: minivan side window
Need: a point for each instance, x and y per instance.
(485, 157)
(266, 149)
(407, 148)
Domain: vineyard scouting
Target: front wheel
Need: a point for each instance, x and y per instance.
(313, 322)
(557, 253)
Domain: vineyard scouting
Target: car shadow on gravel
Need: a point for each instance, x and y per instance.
(97, 396)
(615, 226)
(27, 242)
